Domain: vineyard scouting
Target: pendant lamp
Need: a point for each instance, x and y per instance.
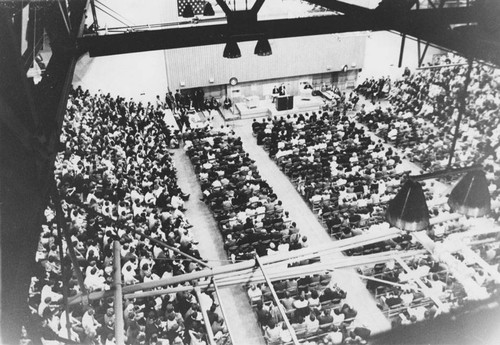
(232, 51)
(471, 196)
(208, 10)
(408, 210)
(263, 48)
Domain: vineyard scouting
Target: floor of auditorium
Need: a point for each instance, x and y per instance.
(241, 320)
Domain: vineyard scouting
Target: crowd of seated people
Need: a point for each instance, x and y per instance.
(250, 216)
(404, 301)
(423, 110)
(314, 306)
(488, 248)
(420, 121)
(346, 176)
(486, 284)
(117, 183)
(374, 89)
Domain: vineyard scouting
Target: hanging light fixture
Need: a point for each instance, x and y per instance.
(471, 196)
(232, 51)
(208, 10)
(188, 11)
(408, 210)
(263, 48)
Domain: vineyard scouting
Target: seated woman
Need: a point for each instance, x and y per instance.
(254, 293)
(312, 324)
(300, 326)
(301, 306)
(215, 103)
(271, 332)
(314, 300)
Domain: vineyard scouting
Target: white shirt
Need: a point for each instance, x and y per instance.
(254, 293)
(336, 337)
(89, 323)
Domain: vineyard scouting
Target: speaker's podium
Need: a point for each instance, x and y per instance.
(284, 103)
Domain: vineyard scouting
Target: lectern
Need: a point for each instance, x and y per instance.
(284, 103)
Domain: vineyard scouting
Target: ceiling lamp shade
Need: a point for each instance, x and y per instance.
(208, 10)
(263, 48)
(471, 196)
(232, 51)
(408, 210)
(188, 11)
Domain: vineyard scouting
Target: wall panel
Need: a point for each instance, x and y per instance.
(298, 56)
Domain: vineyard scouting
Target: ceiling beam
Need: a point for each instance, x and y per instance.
(199, 35)
(433, 26)
(257, 6)
(340, 6)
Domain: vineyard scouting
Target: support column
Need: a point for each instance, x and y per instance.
(295, 340)
(118, 301)
(462, 99)
(426, 290)
(208, 326)
(25, 173)
(402, 50)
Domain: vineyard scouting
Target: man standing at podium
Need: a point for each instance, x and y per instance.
(282, 90)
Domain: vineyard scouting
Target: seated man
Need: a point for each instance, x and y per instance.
(287, 301)
(348, 311)
(335, 336)
(227, 103)
(312, 324)
(254, 293)
(326, 317)
(272, 332)
(302, 306)
(300, 326)
(263, 315)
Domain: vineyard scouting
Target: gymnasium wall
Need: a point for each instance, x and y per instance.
(297, 56)
(141, 76)
(317, 58)
(145, 75)
(382, 55)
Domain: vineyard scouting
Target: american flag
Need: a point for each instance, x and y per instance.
(197, 5)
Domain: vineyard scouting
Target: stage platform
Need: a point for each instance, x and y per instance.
(266, 108)
(300, 105)
(228, 115)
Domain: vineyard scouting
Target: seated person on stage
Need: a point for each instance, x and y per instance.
(215, 103)
(227, 103)
(276, 92)
(207, 104)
